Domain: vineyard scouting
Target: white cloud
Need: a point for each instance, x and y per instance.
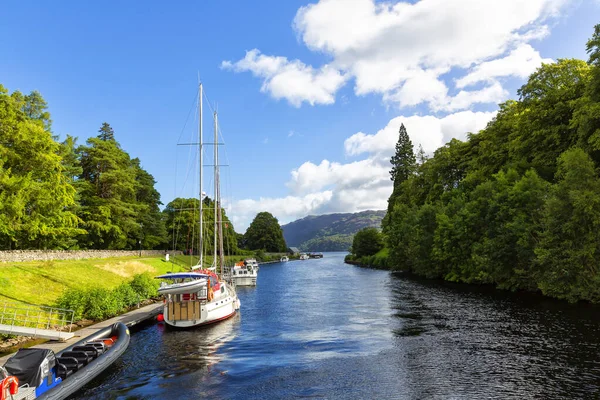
(402, 50)
(357, 185)
(521, 62)
(291, 80)
(291, 133)
(428, 131)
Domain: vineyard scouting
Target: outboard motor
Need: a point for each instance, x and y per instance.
(34, 368)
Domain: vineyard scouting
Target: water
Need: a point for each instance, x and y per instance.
(323, 329)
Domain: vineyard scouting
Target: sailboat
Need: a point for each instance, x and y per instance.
(203, 295)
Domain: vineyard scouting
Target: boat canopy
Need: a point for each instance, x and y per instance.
(31, 366)
(183, 275)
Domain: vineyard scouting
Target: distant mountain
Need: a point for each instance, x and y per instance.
(331, 232)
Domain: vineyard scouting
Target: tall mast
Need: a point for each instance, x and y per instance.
(218, 196)
(200, 244)
(216, 158)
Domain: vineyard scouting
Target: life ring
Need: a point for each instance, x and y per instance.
(12, 384)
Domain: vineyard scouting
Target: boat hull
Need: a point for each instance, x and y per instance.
(190, 313)
(85, 374)
(245, 280)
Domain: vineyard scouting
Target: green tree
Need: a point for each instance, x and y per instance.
(569, 250)
(153, 231)
(35, 195)
(108, 196)
(264, 233)
(106, 132)
(182, 224)
(367, 242)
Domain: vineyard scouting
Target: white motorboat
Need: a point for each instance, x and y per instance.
(304, 256)
(202, 296)
(284, 259)
(244, 274)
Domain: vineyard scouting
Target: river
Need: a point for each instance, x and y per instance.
(323, 329)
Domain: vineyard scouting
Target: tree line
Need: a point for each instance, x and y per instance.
(62, 195)
(516, 205)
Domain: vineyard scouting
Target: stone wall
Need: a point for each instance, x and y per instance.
(48, 255)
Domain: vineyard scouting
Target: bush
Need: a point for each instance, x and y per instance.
(100, 303)
(126, 295)
(145, 285)
(74, 299)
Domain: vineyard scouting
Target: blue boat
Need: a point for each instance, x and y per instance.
(40, 374)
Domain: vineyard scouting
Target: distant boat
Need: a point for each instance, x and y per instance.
(34, 373)
(304, 256)
(284, 259)
(315, 255)
(201, 296)
(245, 273)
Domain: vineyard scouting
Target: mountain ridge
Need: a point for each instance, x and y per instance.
(329, 232)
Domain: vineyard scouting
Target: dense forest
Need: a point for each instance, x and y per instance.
(517, 205)
(61, 195)
(330, 232)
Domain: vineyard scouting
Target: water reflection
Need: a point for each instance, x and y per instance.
(320, 328)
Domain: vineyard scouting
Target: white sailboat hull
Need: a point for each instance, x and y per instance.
(197, 312)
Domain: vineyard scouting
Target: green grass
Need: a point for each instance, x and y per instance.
(42, 282)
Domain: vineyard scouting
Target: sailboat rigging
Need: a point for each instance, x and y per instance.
(204, 295)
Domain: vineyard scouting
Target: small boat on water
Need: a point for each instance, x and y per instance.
(203, 300)
(244, 274)
(34, 373)
(284, 259)
(304, 256)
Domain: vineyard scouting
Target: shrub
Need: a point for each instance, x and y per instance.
(145, 285)
(101, 303)
(126, 295)
(73, 299)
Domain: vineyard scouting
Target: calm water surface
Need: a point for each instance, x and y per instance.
(323, 329)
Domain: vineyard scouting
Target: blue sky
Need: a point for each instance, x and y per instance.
(309, 115)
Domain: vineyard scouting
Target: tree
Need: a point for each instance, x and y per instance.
(367, 242)
(106, 132)
(569, 250)
(108, 196)
(181, 220)
(403, 167)
(35, 195)
(152, 225)
(264, 233)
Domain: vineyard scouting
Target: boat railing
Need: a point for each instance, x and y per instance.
(36, 317)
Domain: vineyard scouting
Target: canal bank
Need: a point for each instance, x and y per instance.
(131, 318)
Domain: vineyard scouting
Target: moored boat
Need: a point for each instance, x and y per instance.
(244, 274)
(304, 256)
(34, 373)
(202, 296)
(284, 259)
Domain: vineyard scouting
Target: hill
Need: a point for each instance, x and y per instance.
(331, 232)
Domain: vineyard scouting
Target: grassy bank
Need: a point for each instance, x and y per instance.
(43, 282)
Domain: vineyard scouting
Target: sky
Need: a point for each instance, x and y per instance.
(310, 95)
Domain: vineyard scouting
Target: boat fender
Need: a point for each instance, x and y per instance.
(12, 384)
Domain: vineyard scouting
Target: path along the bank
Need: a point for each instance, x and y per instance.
(130, 319)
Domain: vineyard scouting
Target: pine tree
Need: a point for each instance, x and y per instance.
(404, 164)
(106, 132)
